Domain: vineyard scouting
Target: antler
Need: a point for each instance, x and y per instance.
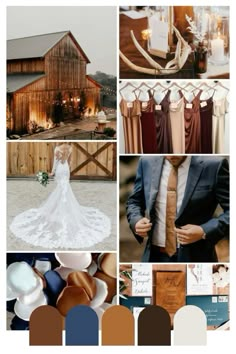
(181, 55)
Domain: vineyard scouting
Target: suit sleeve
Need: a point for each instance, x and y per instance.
(136, 202)
(217, 228)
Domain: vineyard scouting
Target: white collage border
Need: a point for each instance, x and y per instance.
(18, 340)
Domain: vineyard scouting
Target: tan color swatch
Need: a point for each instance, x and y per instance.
(117, 326)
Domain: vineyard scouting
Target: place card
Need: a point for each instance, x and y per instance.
(144, 104)
(142, 279)
(158, 107)
(203, 104)
(189, 105)
(158, 42)
(129, 104)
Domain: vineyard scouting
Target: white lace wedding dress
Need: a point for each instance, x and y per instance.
(61, 222)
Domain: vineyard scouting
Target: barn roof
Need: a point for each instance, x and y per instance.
(18, 81)
(37, 46)
(93, 81)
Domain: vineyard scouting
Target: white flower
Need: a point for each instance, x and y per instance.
(200, 35)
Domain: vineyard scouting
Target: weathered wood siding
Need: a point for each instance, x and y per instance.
(89, 160)
(92, 98)
(25, 65)
(92, 92)
(65, 66)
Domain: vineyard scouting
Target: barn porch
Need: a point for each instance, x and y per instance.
(83, 129)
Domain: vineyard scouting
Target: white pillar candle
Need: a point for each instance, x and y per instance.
(217, 49)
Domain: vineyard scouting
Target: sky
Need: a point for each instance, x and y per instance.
(93, 27)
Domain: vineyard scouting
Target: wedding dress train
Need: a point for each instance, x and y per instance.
(61, 222)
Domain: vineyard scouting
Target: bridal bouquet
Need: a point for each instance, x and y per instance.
(42, 178)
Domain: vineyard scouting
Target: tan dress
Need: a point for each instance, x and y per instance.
(176, 111)
(220, 109)
(131, 113)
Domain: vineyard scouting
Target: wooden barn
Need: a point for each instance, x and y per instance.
(45, 72)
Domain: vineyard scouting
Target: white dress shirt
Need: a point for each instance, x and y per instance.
(159, 232)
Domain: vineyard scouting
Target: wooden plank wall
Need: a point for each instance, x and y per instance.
(25, 66)
(25, 159)
(65, 66)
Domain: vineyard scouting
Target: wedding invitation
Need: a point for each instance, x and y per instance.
(199, 279)
(170, 290)
(216, 308)
(207, 279)
(142, 279)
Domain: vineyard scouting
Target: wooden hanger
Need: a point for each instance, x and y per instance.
(141, 85)
(208, 86)
(190, 84)
(159, 84)
(126, 85)
(219, 83)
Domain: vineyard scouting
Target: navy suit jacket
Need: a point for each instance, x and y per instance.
(207, 186)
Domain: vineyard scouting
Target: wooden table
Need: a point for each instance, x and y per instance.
(130, 51)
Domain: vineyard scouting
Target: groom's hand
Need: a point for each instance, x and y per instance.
(142, 227)
(189, 234)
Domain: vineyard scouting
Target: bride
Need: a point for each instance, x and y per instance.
(61, 222)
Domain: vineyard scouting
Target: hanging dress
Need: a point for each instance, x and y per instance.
(220, 108)
(163, 125)
(148, 126)
(176, 111)
(131, 112)
(192, 122)
(206, 111)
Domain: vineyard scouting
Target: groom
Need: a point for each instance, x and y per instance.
(172, 206)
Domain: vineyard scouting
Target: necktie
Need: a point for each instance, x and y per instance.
(171, 205)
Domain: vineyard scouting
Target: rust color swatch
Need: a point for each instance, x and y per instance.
(154, 326)
(45, 326)
(117, 326)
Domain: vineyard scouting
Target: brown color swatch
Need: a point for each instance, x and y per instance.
(45, 326)
(117, 326)
(154, 326)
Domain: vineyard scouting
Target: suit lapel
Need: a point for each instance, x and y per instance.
(156, 175)
(195, 170)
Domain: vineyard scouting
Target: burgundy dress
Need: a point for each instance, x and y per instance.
(206, 112)
(148, 126)
(192, 122)
(163, 125)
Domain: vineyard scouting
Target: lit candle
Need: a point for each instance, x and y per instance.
(146, 34)
(217, 49)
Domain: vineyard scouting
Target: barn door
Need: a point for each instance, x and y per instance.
(94, 161)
